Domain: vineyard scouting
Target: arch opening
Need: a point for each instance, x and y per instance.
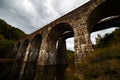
(31, 64)
(20, 57)
(57, 43)
(70, 44)
(23, 50)
(94, 35)
(104, 16)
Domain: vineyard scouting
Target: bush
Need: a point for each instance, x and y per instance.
(104, 63)
(8, 36)
(6, 47)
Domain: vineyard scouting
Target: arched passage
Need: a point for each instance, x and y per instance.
(104, 16)
(22, 50)
(57, 43)
(31, 64)
(17, 67)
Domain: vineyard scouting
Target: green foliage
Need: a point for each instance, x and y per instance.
(10, 32)
(6, 47)
(102, 65)
(1, 37)
(70, 56)
(8, 36)
(108, 39)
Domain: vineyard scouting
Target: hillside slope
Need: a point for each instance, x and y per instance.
(8, 36)
(104, 63)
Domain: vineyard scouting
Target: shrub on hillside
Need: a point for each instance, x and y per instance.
(6, 47)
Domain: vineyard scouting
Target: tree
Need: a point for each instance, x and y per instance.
(8, 36)
(98, 38)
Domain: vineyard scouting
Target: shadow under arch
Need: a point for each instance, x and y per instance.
(57, 45)
(22, 51)
(16, 69)
(31, 64)
(98, 19)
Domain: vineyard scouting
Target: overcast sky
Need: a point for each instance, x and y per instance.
(31, 15)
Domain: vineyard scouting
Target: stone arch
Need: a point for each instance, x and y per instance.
(57, 53)
(17, 67)
(35, 47)
(22, 50)
(108, 9)
(31, 64)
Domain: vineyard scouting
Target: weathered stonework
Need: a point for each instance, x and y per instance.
(39, 48)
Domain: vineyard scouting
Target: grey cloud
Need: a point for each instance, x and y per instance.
(70, 43)
(41, 12)
(32, 16)
(64, 6)
(13, 14)
(44, 9)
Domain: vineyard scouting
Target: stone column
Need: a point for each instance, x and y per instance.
(83, 45)
(52, 51)
(42, 58)
(61, 55)
(47, 53)
(43, 54)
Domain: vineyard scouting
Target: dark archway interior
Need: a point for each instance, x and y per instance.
(58, 35)
(105, 16)
(31, 64)
(59, 30)
(17, 67)
(23, 50)
(34, 49)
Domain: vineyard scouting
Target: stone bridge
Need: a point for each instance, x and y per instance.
(47, 46)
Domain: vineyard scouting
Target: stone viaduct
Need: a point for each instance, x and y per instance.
(47, 46)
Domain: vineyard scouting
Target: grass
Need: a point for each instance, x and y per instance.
(103, 64)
